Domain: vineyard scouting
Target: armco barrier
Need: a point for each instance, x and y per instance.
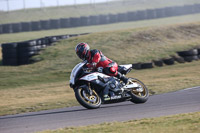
(100, 19)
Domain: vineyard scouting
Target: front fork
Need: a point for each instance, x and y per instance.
(86, 87)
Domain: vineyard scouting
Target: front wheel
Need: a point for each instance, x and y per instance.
(90, 101)
(139, 94)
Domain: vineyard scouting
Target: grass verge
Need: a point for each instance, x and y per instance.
(184, 123)
(43, 85)
(58, 95)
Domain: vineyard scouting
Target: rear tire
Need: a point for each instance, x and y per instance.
(138, 96)
(88, 101)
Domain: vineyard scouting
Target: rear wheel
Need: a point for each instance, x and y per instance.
(90, 101)
(139, 94)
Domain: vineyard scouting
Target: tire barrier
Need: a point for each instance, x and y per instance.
(74, 22)
(10, 55)
(113, 18)
(146, 65)
(189, 55)
(84, 21)
(45, 24)
(151, 14)
(103, 19)
(131, 16)
(122, 17)
(7, 28)
(100, 19)
(181, 57)
(93, 20)
(21, 53)
(35, 26)
(178, 59)
(198, 52)
(54, 23)
(158, 63)
(26, 50)
(136, 66)
(16, 27)
(1, 29)
(64, 23)
(25, 26)
(168, 61)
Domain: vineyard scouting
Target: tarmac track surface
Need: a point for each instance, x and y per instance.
(183, 101)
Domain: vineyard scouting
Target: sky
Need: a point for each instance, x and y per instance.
(9, 5)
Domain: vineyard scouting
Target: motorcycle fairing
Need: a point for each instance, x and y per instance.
(94, 76)
(75, 71)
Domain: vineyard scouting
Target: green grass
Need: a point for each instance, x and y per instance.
(86, 10)
(184, 123)
(44, 85)
(50, 95)
(135, 45)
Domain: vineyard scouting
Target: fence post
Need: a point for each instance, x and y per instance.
(8, 7)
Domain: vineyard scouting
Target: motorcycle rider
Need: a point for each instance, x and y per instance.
(96, 59)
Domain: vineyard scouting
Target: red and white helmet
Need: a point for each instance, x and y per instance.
(82, 50)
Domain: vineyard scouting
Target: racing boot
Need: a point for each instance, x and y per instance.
(123, 78)
(106, 97)
(105, 92)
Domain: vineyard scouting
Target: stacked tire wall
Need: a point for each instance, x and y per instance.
(181, 57)
(20, 53)
(10, 54)
(99, 19)
(189, 55)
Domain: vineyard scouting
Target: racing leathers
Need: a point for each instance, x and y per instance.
(96, 59)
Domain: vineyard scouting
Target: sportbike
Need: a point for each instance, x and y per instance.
(89, 87)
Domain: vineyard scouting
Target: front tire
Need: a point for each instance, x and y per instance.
(86, 100)
(139, 94)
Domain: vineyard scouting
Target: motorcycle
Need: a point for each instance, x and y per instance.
(89, 87)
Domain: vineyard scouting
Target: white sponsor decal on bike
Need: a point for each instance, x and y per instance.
(94, 76)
